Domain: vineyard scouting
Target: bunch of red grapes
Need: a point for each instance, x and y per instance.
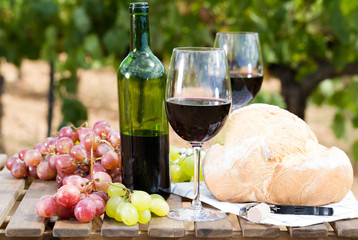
(84, 162)
(76, 198)
(71, 152)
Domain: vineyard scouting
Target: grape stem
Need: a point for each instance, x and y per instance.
(128, 191)
(85, 124)
(92, 163)
(108, 143)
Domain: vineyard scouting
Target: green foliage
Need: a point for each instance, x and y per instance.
(270, 98)
(73, 111)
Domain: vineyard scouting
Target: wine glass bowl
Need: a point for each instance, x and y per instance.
(245, 64)
(198, 102)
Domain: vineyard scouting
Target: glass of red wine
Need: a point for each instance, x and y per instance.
(245, 64)
(198, 102)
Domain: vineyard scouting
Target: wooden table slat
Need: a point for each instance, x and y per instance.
(346, 228)
(250, 229)
(216, 229)
(166, 227)
(10, 189)
(112, 228)
(71, 228)
(313, 231)
(26, 222)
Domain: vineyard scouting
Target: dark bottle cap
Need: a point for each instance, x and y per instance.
(138, 7)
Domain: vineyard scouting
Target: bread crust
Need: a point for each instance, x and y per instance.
(267, 154)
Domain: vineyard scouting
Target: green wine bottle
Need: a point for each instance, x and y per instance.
(143, 121)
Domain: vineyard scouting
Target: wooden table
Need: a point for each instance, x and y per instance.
(18, 219)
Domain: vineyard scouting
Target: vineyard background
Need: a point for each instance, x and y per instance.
(310, 51)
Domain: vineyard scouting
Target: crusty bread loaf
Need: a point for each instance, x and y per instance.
(266, 154)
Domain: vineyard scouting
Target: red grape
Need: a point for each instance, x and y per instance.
(44, 172)
(91, 140)
(102, 181)
(59, 180)
(51, 146)
(64, 145)
(65, 132)
(46, 206)
(98, 167)
(22, 154)
(52, 162)
(114, 139)
(10, 161)
(32, 157)
(19, 170)
(47, 140)
(85, 210)
(68, 195)
(42, 148)
(102, 129)
(32, 172)
(82, 132)
(66, 164)
(115, 175)
(64, 212)
(110, 159)
(101, 149)
(103, 195)
(79, 153)
(75, 180)
(100, 204)
(99, 122)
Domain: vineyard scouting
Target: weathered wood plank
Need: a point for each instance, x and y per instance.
(26, 222)
(112, 228)
(250, 229)
(166, 227)
(346, 228)
(3, 158)
(10, 189)
(216, 229)
(71, 228)
(313, 231)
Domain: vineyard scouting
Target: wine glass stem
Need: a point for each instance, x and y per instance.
(196, 204)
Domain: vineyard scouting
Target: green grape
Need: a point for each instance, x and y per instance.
(116, 189)
(145, 216)
(155, 195)
(117, 214)
(159, 207)
(129, 214)
(141, 200)
(176, 172)
(184, 178)
(188, 165)
(111, 205)
(174, 153)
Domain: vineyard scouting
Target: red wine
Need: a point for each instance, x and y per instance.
(197, 119)
(145, 165)
(245, 87)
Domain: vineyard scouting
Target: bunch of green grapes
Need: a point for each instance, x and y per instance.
(182, 165)
(131, 207)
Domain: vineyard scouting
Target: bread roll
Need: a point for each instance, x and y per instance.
(266, 154)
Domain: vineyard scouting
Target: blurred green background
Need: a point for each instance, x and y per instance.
(310, 46)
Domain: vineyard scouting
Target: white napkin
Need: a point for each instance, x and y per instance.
(345, 209)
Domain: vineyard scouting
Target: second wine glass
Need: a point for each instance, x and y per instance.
(245, 64)
(198, 101)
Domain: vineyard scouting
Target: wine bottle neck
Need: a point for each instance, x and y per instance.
(139, 32)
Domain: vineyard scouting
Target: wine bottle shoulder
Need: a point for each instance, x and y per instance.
(142, 64)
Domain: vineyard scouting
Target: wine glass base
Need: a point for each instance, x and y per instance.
(196, 215)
